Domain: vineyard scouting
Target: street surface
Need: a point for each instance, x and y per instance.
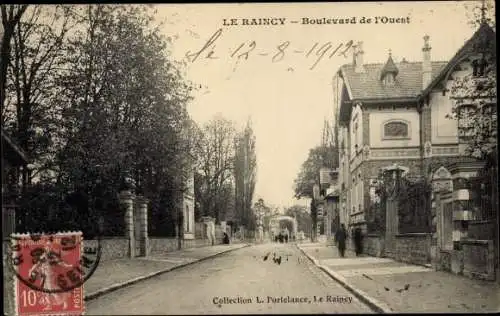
(231, 283)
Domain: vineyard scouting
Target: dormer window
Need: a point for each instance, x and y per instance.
(389, 72)
(396, 130)
(389, 79)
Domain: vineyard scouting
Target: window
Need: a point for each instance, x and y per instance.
(479, 67)
(396, 129)
(389, 79)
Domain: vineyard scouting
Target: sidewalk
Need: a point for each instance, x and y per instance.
(114, 274)
(390, 286)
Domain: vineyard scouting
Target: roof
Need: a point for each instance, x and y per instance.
(408, 82)
(12, 152)
(484, 32)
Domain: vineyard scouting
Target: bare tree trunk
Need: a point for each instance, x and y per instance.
(10, 20)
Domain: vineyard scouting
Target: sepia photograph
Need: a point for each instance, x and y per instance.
(249, 158)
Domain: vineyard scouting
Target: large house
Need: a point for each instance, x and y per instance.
(396, 113)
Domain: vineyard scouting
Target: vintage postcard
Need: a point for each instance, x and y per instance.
(249, 158)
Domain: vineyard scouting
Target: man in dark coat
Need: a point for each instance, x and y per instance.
(358, 239)
(340, 239)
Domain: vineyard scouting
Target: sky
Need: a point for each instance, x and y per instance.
(285, 99)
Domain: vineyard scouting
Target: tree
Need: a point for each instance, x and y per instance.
(216, 165)
(475, 105)
(300, 213)
(318, 158)
(475, 94)
(30, 115)
(245, 167)
(11, 15)
(121, 106)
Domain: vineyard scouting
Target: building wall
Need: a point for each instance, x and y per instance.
(356, 130)
(371, 167)
(379, 118)
(359, 191)
(344, 173)
(445, 130)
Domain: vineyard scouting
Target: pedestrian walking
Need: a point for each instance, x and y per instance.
(358, 241)
(226, 239)
(340, 239)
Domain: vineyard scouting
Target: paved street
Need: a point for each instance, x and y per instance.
(401, 287)
(230, 284)
(115, 273)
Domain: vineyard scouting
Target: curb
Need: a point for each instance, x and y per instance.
(374, 304)
(118, 286)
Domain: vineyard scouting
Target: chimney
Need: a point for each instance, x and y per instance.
(354, 52)
(426, 63)
(358, 58)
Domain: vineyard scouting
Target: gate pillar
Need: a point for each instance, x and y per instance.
(127, 200)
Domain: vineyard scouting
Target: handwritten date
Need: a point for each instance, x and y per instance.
(316, 53)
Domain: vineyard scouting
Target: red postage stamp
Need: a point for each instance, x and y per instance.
(49, 279)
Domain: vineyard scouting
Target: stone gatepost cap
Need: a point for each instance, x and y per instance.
(141, 199)
(126, 194)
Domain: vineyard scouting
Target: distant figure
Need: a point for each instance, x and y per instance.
(226, 239)
(286, 238)
(358, 241)
(340, 239)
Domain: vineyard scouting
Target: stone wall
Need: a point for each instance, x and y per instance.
(478, 259)
(482, 230)
(219, 234)
(163, 245)
(8, 280)
(200, 230)
(413, 248)
(373, 245)
(445, 260)
(111, 247)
